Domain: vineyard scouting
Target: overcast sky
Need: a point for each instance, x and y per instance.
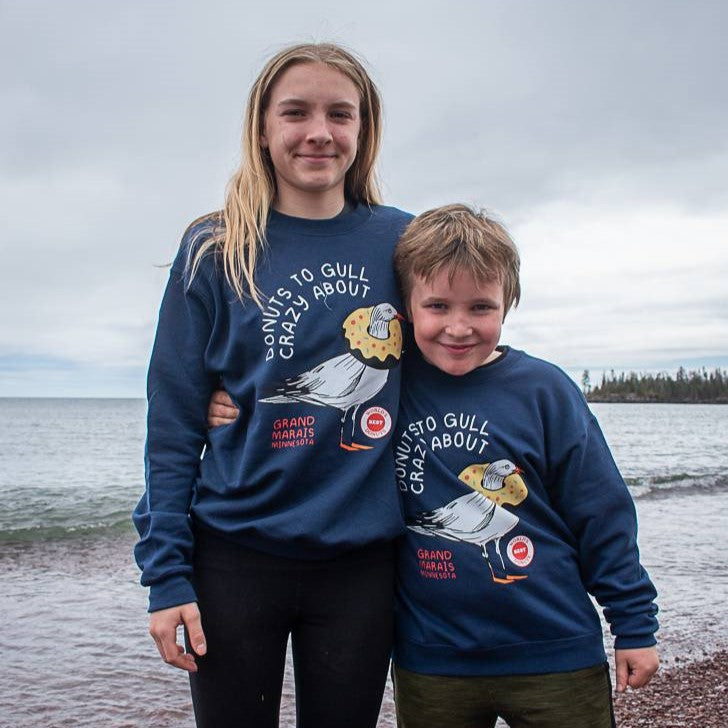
(595, 130)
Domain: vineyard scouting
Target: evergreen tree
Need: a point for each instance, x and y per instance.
(688, 386)
(585, 383)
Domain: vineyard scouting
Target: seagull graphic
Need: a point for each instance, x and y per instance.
(475, 518)
(374, 338)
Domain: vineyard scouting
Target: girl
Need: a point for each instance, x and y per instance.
(284, 525)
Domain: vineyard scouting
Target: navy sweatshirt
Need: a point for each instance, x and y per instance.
(515, 513)
(306, 470)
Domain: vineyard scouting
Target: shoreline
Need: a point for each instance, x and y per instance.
(647, 400)
(691, 694)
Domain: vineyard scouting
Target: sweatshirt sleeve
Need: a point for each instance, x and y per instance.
(592, 498)
(178, 392)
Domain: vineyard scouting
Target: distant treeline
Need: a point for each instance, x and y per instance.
(695, 386)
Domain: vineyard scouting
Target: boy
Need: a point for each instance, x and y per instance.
(514, 507)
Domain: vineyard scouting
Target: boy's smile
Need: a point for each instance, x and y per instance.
(457, 324)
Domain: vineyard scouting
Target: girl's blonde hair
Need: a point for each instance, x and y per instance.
(241, 226)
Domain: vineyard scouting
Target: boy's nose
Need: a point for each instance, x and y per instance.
(458, 327)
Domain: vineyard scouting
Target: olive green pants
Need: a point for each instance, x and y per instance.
(579, 699)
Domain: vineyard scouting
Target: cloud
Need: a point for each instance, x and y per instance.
(596, 131)
(609, 288)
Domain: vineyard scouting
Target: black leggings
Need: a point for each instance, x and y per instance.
(338, 613)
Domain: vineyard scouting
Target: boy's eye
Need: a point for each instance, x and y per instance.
(341, 114)
(437, 306)
(293, 112)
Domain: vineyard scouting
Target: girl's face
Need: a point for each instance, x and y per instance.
(311, 128)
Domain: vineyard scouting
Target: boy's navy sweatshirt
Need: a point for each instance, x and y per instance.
(515, 513)
(306, 470)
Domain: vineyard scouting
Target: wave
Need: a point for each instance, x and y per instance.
(98, 518)
(56, 531)
(677, 484)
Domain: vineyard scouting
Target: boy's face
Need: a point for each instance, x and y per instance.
(457, 326)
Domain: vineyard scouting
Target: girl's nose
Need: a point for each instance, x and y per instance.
(318, 130)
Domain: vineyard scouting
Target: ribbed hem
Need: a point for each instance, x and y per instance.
(524, 658)
(228, 549)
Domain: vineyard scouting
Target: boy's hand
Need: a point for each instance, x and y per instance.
(221, 410)
(635, 667)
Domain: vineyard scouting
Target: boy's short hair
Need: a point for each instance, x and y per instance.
(458, 238)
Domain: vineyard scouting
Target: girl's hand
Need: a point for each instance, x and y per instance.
(221, 410)
(635, 667)
(163, 627)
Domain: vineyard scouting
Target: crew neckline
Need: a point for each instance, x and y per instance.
(507, 355)
(344, 221)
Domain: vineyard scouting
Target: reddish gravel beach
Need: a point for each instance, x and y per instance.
(694, 695)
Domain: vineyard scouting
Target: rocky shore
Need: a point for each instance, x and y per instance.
(693, 695)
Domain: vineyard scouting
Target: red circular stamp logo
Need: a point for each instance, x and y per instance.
(520, 550)
(376, 422)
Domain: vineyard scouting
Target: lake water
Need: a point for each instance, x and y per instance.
(74, 643)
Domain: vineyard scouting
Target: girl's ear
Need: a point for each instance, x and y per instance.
(262, 138)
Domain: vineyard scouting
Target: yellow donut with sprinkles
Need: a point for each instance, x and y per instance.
(377, 353)
(513, 492)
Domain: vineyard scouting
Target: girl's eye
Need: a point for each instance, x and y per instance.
(341, 115)
(293, 112)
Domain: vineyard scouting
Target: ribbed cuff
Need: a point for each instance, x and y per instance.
(171, 593)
